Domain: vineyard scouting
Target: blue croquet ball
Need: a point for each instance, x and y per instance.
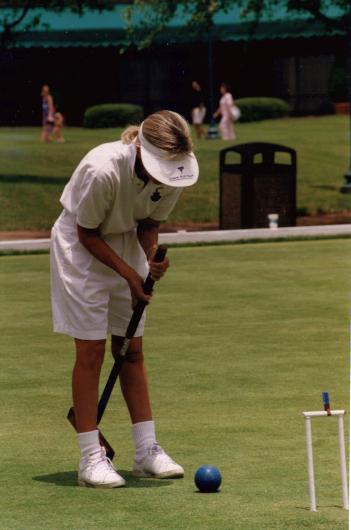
(208, 479)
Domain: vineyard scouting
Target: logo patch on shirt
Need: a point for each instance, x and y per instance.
(156, 196)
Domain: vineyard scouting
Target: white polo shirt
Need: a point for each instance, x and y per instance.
(105, 192)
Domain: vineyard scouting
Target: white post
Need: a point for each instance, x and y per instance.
(345, 500)
(315, 414)
(310, 468)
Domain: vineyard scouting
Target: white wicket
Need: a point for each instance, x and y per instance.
(310, 467)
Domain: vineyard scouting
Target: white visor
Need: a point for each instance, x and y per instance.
(177, 172)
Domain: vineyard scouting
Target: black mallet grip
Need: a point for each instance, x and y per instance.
(147, 288)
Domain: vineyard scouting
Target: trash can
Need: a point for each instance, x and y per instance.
(261, 180)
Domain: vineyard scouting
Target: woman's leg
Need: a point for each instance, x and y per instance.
(150, 459)
(45, 135)
(222, 129)
(133, 380)
(85, 382)
(135, 391)
(95, 469)
(231, 133)
(228, 129)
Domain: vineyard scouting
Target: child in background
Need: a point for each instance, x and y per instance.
(57, 130)
(198, 115)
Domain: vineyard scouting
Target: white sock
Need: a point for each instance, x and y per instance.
(144, 437)
(88, 442)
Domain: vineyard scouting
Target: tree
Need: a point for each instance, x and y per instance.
(147, 18)
(319, 10)
(200, 16)
(25, 14)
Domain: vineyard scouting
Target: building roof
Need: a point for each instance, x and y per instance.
(108, 28)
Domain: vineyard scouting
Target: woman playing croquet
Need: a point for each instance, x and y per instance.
(102, 248)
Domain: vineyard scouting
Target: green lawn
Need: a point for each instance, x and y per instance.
(240, 340)
(32, 175)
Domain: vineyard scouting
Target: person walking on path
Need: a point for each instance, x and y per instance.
(102, 249)
(47, 113)
(225, 110)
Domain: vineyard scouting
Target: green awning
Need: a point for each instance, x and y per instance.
(108, 28)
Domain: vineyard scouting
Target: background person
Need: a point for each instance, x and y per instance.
(198, 115)
(47, 113)
(226, 103)
(198, 109)
(102, 248)
(58, 125)
(196, 94)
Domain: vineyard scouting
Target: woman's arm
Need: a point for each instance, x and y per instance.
(148, 236)
(93, 242)
(148, 230)
(228, 101)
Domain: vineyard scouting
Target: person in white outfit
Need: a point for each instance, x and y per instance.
(102, 249)
(226, 103)
(198, 115)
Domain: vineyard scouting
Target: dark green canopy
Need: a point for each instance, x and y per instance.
(108, 28)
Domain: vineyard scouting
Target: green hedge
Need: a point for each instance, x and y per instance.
(256, 109)
(112, 115)
(338, 90)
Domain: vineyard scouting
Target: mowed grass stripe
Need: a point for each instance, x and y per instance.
(240, 339)
(32, 175)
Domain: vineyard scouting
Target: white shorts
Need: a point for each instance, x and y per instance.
(90, 300)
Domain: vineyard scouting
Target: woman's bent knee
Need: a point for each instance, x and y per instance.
(134, 352)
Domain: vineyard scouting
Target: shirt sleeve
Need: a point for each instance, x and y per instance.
(95, 199)
(166, 205)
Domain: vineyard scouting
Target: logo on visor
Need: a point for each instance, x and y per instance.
(181, 176)
(156, 196)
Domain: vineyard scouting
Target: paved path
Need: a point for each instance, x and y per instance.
(183, 237)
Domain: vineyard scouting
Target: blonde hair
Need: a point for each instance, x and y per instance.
(166, 130)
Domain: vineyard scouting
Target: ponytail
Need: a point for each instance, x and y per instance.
(129, 134)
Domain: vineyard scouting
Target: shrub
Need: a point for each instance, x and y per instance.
(112, 115)
(256, 109)
(338, 90)
(325, 107)
(302, 211)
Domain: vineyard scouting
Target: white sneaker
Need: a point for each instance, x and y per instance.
(157, 464)
(97, 471)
